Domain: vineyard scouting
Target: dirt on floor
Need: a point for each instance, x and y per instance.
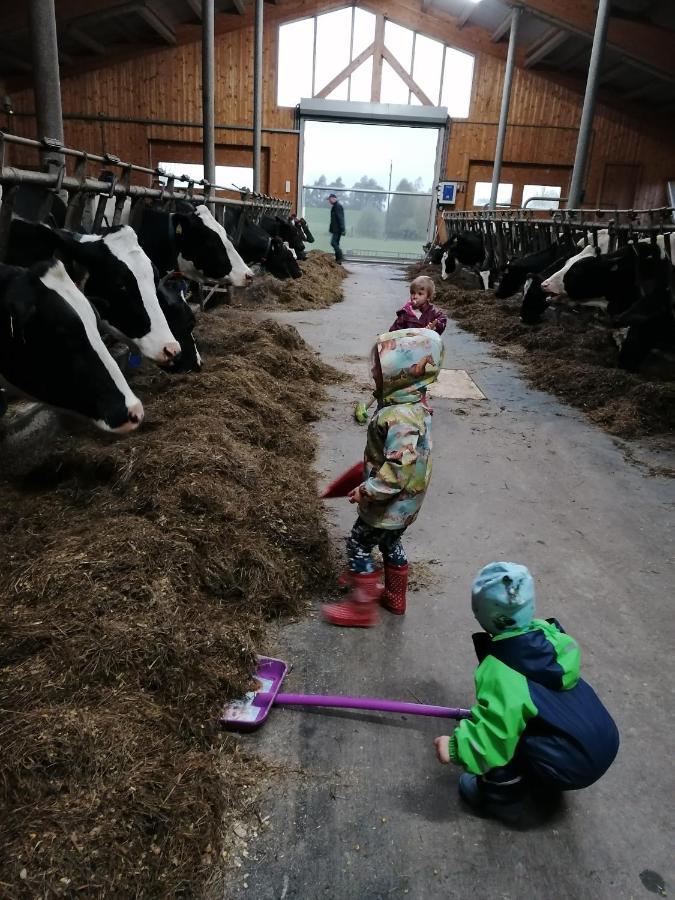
(576, 360)
(137, 578)
(320, 286)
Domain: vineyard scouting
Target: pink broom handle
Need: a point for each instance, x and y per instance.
(394, 706)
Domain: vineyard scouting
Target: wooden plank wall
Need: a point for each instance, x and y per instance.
(165, 84)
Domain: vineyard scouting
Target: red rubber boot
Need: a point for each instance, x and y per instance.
(359, 609)
(395, 587)
(345, 580)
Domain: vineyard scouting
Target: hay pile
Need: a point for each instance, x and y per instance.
(319, 287)
(576, 360)
(137, 576)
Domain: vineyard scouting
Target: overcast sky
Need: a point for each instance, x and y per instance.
(351, 151)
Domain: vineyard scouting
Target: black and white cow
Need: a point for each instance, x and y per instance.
(172, 298)
(256, 246)
(303, 229)
(468, 249)
(115, 273)
(191, 241)
(50, 348)
(282, 227)
(516, 271)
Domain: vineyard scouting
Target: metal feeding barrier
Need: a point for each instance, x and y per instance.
(114, 182)
(509, 233)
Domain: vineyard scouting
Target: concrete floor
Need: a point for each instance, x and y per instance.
(369, 813)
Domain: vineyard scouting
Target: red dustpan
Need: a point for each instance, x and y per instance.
(346, 482)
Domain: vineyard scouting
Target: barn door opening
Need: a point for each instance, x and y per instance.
(384, 176)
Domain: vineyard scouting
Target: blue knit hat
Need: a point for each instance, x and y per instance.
(502, 597)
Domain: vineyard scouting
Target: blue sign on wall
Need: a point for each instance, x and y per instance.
(447, 191)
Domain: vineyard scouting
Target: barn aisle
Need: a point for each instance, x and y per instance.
(371, 814)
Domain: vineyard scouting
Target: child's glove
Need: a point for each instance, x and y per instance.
(361, 413)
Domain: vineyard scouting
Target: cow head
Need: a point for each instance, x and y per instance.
(205, 252)
(280, 262)
(534, 303)
(289, 233)
(303, 229)
(182, 321)
(121, 282)
(50, 348)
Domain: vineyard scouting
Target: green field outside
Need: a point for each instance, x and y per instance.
(318, 220)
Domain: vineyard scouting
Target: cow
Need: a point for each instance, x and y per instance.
(303, 229)
(192, 242)
(115, 273)
(281, 227)
(256, 246)
(516, 271)
(467, 248)
(51, 351)
(172, 294)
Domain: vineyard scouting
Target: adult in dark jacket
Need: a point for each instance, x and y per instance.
(337, 225)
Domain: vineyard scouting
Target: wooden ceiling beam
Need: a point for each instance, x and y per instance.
(553, 39)
(158, 25)
(17, 61)
(466, 13)
(502, 29)
(195, 7)
(651, 46)
(85, 40)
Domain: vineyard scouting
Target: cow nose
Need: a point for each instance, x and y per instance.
(134, 418)
(136, 413)
(171, 351)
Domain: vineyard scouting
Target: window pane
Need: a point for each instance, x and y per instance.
(399, 40)
(481, 195)
(294, 68)
(340, 92)
(364, 31)
(361, 81)
(394, 90)
(457, 81)
(428, 63)
(541, 190)
(333, 32)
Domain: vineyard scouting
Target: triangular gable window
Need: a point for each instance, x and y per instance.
(335, 55)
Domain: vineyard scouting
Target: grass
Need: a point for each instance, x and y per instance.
(318, 220)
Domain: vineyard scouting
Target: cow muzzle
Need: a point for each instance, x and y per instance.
(136, 415)
(170, 352)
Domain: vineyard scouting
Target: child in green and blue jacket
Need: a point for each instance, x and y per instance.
(536, 723)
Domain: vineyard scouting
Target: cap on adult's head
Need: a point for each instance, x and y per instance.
(502, 597)
(334, 196)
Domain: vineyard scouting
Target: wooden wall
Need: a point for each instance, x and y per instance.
(543, 129)
(544, 115)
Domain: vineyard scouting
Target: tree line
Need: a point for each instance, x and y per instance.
(378, 215)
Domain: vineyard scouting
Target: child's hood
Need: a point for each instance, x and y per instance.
(410, 361)
(541, 651)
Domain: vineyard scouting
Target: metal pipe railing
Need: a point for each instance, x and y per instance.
(121, 187)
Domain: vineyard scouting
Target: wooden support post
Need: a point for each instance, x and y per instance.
(376, 83)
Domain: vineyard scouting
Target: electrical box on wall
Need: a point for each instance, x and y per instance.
(446, 193)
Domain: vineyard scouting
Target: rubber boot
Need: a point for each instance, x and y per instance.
(502, 801)
(359, 609)
(345, 581)
(395, 587)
